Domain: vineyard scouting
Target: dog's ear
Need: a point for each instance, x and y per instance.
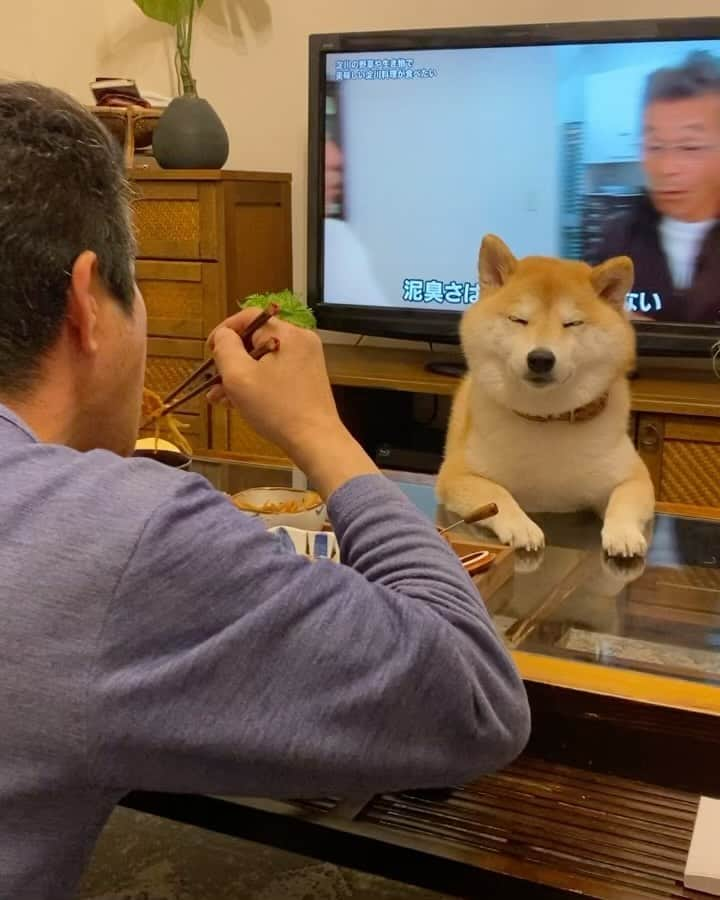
(613, 280)
(495, 263)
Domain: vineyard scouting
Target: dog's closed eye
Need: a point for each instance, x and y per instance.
(518, 320)
(574, 324)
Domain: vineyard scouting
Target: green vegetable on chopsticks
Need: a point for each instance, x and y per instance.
(292, 308)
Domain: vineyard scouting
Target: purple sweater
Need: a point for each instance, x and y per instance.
(153, 637)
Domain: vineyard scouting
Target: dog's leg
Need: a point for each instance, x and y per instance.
(630, 507)
(464, 492)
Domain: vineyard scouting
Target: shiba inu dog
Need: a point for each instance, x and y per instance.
(539, 423)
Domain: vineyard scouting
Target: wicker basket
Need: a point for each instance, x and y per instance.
(133, 126)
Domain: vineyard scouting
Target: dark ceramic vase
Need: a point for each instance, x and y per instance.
(190, 135)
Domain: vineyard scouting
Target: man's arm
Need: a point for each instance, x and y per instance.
(229, 665)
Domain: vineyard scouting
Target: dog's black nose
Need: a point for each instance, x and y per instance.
(541, 361)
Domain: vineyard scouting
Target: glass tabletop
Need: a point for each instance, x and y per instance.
(570, 602)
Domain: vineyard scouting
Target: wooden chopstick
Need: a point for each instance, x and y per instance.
(271, 310)
(208, 364)
(270, 346)
(483, 512)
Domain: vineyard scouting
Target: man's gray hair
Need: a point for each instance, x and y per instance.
(697, 76)
(62, 191)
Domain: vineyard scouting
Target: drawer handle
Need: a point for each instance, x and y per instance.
(649, 437)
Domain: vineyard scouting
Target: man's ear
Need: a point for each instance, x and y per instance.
(496, 263)
(613, 280)
(82, 305)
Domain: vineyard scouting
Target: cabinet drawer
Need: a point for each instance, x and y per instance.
(687, 428)
(168, 363)
(182, 298)
(177, 220)
(683, 456)
(691, 473)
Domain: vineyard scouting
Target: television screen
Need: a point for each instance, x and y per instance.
(575, 149)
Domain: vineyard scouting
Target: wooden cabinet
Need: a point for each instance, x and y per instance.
(177, 216)
(183, 299)
(206, 240)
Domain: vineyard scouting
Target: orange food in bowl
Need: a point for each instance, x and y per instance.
(308, 500)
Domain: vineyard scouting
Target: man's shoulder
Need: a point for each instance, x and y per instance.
(94, 490)
(72, 522)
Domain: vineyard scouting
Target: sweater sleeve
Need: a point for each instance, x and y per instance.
(228, 665)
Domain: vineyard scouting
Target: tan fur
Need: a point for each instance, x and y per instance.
(492, 454)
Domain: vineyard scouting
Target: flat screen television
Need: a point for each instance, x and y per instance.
(582, 140)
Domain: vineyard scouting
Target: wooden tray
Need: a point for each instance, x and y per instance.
(499, 571)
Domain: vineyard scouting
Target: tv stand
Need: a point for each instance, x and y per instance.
(397, 407)
(453, 368)
(675, 419)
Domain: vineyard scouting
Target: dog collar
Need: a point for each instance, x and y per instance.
(581, 414)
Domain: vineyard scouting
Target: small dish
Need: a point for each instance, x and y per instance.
(478, 561)
(313, 544)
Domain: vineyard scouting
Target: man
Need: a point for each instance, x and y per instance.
(152, 636)
(348, 276)
(672, 234)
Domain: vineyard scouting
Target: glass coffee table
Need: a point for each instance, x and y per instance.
(622, 668)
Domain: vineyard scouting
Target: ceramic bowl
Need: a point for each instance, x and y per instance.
(252, 500)
(163, 452)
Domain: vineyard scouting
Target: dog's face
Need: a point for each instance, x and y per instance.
(547, 335)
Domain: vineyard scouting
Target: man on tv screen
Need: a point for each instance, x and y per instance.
(672, 233)
(349, 276)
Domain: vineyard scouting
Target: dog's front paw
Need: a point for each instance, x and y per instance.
(528, 561)
(518, 531)
(623, 539)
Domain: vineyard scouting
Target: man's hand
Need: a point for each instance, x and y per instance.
(286, 397)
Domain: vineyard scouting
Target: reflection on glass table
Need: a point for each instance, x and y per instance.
(570, 602)
(663, 617)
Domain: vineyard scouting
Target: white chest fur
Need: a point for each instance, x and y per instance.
(551, 466)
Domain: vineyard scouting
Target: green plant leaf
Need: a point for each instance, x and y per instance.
(170, 11)
(292, 307)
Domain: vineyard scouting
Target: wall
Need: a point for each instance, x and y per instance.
(257, 81)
